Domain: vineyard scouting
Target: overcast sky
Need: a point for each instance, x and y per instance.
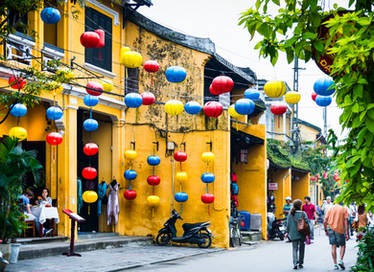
(218, 20)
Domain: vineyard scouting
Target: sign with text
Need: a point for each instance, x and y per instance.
(273, 186)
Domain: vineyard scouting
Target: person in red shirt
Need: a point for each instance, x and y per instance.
(310, 210)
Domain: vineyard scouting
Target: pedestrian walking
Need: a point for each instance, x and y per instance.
(362, 220)
(297, 238)
(336, 228)
(327, 205)
(310, 210)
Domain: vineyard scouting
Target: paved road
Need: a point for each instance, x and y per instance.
(274, 256)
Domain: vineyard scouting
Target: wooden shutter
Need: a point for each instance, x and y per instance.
(101, 57)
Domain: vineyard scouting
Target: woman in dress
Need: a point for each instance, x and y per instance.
(297, 238)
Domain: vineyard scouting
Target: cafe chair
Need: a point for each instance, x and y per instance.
(30, 224)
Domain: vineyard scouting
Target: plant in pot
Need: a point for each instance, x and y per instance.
(15, 163)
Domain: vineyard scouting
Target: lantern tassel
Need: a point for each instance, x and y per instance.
(99, 54)
(53, 153)
(151, 81)
(278, 121)
(88, 209)
(208, 209)
(181, 208)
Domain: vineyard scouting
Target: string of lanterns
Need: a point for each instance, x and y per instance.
(181, 176)
(153, 180)
(130, 174)
(323, 89)
(208, 177)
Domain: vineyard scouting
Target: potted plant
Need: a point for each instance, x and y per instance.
(15, 163)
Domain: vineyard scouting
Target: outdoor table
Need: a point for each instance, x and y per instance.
(43, 213)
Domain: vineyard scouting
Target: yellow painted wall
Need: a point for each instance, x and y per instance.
(252, 177)
(300, 185)
(307, 133)
(283, 178)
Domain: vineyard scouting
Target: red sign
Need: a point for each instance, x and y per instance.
(273, 186)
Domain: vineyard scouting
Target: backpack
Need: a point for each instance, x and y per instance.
(302, 225)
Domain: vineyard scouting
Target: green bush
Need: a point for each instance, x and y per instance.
(365, 256)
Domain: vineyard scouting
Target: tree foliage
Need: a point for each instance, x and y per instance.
(293, 30)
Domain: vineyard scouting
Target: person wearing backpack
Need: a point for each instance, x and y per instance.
(297, 229)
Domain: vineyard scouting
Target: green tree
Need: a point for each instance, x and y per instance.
(15, 163)
(294, 31)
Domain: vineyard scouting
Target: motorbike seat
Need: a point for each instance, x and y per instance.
(188, 226)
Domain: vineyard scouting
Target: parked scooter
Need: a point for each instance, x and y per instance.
(276, 227)
(197, 233)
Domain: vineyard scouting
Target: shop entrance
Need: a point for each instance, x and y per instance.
(102, 162)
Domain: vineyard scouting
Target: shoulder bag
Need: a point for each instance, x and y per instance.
(302, 225)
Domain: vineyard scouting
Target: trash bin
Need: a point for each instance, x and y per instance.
(255, 222)
(14, 251)
(245, 217)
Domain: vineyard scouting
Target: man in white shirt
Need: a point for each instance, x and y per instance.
(326, 206)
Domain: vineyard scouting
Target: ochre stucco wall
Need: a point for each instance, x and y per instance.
(252, 177)
(300, 185)
(283, 178)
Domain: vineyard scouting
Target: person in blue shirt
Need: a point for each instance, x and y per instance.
(26, 197)
(287, 207)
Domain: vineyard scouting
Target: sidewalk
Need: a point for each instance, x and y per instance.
(114, 259)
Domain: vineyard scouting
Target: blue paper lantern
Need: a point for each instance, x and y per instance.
(90, 100)
(175, 74)
(323, 101)
(133, 100)
(153, 160)
(244, 106)
(18, 110)
(90, 124)
(130, 174)
(50, 15)
(322, 85)
(181, 197)
(207, 177)
(54, 113)
(192, 107)
(252, 94)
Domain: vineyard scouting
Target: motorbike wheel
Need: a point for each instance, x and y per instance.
(205, 242)
(163, 239)
(280, 235)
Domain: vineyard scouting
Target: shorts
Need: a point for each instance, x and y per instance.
(336, 238)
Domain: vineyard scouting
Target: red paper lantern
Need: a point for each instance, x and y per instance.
(151, 66)
(94, 85)
(234, 178)
(129, 194)
(180, 156)
(101, 42)
(148, 98)
(90, 149)
(89, 172)
(54, 138)
(207, 198)
(222, 84)
(90, 39)
(17, 82)
(278, 109)
(314, 95)
(213, 109)
(153, 180)
(213, 91)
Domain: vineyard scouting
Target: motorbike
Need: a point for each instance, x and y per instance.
(197, 233)
(276, 227)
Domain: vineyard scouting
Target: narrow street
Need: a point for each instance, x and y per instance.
(265, 256)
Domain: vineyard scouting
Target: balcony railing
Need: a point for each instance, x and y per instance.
(50, 53)
(19, 49)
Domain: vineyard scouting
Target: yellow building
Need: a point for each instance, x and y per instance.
(148, 129)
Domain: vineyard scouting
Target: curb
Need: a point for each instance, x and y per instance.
(166, 260)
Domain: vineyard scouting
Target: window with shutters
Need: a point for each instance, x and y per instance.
(132, 80)
(101, 57)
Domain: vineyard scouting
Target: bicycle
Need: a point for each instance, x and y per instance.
(235, 236)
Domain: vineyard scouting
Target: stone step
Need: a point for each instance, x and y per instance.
(40, 240)
(251, 235)
(33, 250)
(95, 235)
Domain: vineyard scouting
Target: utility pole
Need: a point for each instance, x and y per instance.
(295, 107)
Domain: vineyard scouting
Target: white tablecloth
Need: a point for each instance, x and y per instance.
(44, 213)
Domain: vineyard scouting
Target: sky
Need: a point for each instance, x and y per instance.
(218, 20)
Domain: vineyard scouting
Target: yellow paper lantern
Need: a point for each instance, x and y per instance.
(275, 88)
(131, 59)
(174, 107)
(181, 176)
(292, 97)
(153, 200)
(107, 85)
(232, 112)
(89, 196)
(130, 154)
(207, 157)
(18, 132)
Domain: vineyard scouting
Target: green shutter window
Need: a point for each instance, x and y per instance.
(101, 57)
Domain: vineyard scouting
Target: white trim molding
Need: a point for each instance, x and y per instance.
(106, 9)
(21, 40)
(99, 70)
